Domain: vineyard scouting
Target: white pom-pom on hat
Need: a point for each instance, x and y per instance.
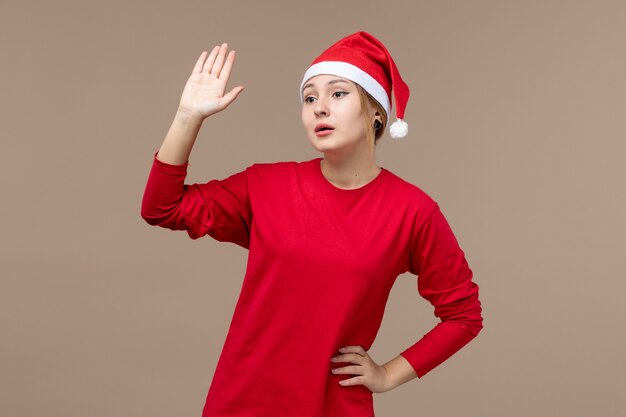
(362, 58)
(398, 129)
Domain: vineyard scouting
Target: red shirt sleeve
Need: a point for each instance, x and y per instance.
(219, 208)
(445, 280)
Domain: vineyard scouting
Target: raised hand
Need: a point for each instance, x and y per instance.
(204, 92)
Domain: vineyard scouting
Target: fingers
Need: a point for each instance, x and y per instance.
(214, 64)
(349, 357)
(219, 62)
(354, 349)
(203, 57)
(208, 65)
(225, 73)
(199, 62)
(352, 369)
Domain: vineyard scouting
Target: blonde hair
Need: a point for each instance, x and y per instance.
(365, 97)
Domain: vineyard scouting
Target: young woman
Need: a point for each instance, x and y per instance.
(327, 239)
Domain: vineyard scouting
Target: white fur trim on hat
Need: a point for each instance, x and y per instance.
(351, 72)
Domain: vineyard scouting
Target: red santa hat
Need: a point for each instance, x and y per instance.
(362, 58)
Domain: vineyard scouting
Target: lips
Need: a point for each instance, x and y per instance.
(322, 127)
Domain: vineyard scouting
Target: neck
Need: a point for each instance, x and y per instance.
(351, 170)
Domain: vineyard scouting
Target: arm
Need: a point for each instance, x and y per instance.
(445, 280)
(219, 208)
(399, 371)
(180, 138)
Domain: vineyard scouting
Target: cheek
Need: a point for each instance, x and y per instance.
(356, 121)
(353, 112)
(304, 118)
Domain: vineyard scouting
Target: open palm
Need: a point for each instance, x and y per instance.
(204, 92)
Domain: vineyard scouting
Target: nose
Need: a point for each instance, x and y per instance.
(320, 108)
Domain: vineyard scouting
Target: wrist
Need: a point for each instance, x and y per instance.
(187, 117)
(390, 380)
(398, 371)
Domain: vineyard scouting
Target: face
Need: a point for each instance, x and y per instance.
(334, 101)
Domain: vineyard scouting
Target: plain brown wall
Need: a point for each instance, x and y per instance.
(517, 122)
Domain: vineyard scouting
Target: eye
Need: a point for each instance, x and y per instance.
(306, 99)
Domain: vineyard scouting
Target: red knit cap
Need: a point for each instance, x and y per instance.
(362, 58)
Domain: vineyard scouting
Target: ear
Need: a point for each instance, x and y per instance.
(373, 111)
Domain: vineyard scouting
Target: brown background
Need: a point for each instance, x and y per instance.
(517, 128)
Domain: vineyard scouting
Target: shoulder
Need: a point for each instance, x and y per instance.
(274, 166)
(279, 167)
(278, 174)
(408, 193)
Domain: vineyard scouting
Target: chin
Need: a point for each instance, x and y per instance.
(329, 149)
(322, 145)
(331, 145)
(322, 149)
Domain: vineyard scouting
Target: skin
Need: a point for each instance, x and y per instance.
(378, 378)
(348, 162)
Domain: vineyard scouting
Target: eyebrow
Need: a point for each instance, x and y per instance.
(328, 83)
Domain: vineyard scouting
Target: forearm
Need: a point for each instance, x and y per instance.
(399, 371)
(180, 138)
(444, 340)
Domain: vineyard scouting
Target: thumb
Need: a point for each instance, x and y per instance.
(233, 94)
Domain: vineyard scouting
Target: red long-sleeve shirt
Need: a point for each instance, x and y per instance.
(321, 263)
